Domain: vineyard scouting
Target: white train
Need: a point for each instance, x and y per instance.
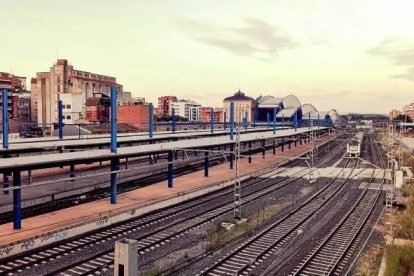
(353, 148)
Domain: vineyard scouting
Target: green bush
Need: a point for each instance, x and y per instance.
(400, 261)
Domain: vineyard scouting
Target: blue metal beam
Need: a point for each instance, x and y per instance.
(211, 120)
(263, 149)
(231, 156)
(150, 120)
(114, 106)
(17, 201)
(295, 120)
(267, 120)
(309, 123)
(60, 119)
(245, 120)
(173, 120)
(206, 163)
(283, 120)
(114, 168)
(274, 120)
(319, 121)
(250, 151)
(232, 121)
(5, 121)
(170, 169)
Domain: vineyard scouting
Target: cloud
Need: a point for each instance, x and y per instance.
(400, 51)
(254, 37)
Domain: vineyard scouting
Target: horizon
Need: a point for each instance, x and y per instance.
(344, 56)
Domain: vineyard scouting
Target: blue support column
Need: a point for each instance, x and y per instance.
(114, 143)
(206, 163)
(5, 121)
(60, 119)
(114, 168)
(231, 156)
(319, 121)
(232, 121)
(170, 169)
(263, 149)
(245, 120)
(267, 120)
(211, 120)
(250, 151)
(274, 120)
(295, 120)
(150, 120)
(224, 120)
(72, 171)
(309, 123)
(255, 114)
(17, 201)
(283, 120)
(173, 120)
(114, 130)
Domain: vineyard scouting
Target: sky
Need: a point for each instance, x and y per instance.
(353, 55)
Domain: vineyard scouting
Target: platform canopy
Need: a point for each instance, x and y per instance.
(269, 102)
(334, 116)
(291, 101)
(287, 112)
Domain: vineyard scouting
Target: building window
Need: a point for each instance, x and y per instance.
(63, 106)
(68, 117)
(58, 88)
(68, 106)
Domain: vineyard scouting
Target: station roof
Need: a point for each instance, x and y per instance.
(269, 102)
(41, 143)
(287, 112)
(82, 157)
(291, 101)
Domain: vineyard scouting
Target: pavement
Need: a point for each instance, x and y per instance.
(69, 217)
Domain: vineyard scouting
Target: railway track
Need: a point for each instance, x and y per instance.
(271, 238)
(149, 238)
(335, 251)
(123, 187)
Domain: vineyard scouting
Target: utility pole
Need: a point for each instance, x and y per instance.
(390, 177)
(237, 182)
(310, 160)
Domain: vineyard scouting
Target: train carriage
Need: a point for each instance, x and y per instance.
(353, 148)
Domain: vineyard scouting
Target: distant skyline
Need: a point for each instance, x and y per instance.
(354, 55)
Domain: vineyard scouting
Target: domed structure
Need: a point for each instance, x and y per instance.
(243, 107)
(238, 96)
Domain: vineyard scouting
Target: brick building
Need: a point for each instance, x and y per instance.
(18, 100)
(134, 115)
(72, 86)
(205, 113)
(97, 109)
(164, 104)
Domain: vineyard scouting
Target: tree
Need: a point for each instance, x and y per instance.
(403, 118)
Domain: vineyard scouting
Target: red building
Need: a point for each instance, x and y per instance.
(134, 115)
(97, 109)
(205, 113)
(164, 104)
(14, 85)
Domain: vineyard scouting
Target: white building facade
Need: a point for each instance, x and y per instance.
(187, 109)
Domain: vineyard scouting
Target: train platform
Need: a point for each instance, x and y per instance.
(66, 223)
